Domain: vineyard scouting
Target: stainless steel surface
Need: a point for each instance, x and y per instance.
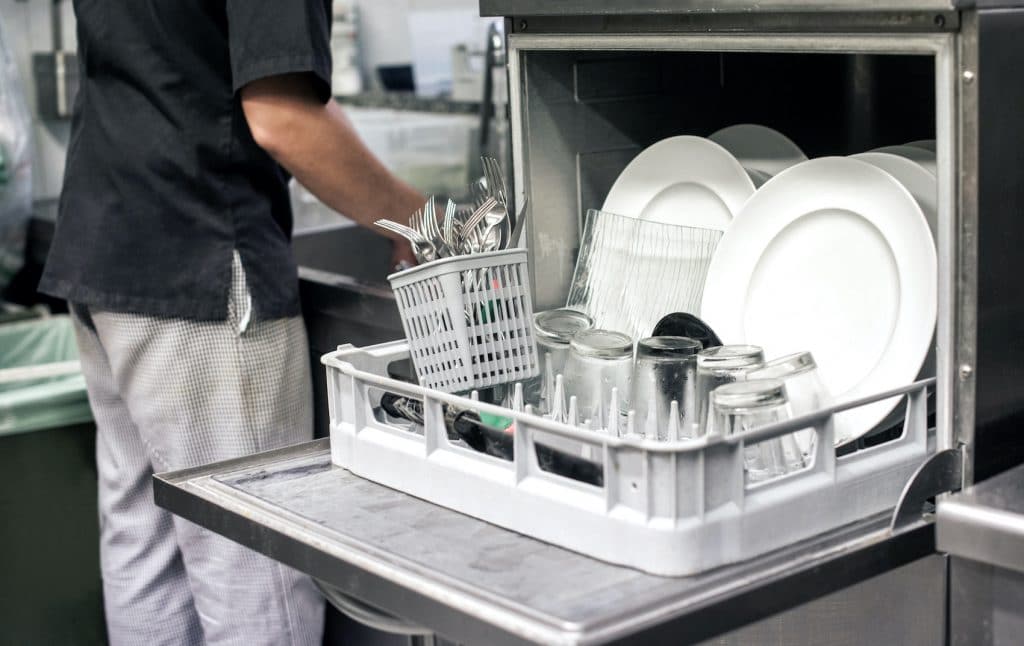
(862, 614)
(783, 22)
(998, 379)
(517, 229)
(986, 604)
(477, 583)
(986, 521)
(941, 473)
(661, 7)
(958, 326)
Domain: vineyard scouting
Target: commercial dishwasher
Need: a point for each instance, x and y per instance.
(592, 84)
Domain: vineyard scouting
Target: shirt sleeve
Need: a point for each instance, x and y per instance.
(273, 37)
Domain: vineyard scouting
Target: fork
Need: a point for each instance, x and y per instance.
(421, 247)
(475, 219)
(432, 232)
(416, 222)
(495, 180)
(496, 185)
(449, 225)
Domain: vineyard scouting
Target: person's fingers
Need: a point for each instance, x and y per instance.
(402, 256)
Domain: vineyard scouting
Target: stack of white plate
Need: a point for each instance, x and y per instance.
(835, 255)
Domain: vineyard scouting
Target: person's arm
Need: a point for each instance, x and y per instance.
(316, 143)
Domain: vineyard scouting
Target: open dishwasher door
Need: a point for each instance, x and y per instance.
(589, 89)
(474, 583)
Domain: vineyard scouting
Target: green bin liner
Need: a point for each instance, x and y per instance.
(49, 397)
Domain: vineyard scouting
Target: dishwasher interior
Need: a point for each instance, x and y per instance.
(584, 115)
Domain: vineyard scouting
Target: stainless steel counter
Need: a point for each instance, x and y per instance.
(479, 584)
(985, 523)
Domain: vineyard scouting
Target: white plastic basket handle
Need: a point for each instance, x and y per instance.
(452, 285)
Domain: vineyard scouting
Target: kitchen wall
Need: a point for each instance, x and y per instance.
(384, 36)
(384, 39)
(28, 28)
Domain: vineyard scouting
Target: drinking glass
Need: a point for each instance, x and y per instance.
(599, 360)
(804, 388)
(746, 405)
(553, 331)
(665, 371)
(725, 364)
(631, 272)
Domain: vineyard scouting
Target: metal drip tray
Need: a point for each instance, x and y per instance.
(477, 583)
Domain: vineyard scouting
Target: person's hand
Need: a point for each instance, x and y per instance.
(402, 256)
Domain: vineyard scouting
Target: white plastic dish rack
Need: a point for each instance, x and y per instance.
(668, 508)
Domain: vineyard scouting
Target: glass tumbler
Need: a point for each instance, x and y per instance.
(804, 389)
(553, 331)
(665, 371)
(746, 405)
(725, 364)
(599, 360)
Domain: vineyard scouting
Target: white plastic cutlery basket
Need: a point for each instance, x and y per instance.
(668, 508)
(469, 320)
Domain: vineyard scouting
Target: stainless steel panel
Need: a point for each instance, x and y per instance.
(638, 7)
(862, 614)
(477, 583)
(751, 22)
(958, 327)
(999, 371)
(986, 604)
(986, 522)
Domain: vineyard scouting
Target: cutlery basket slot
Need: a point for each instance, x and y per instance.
(469, 320)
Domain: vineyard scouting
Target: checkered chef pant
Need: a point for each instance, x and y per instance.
(169, 394)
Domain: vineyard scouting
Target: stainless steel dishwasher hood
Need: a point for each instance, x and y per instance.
(592, 84)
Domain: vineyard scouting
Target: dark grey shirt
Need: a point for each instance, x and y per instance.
(163, 178)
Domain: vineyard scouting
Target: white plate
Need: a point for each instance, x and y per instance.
(914, 177)
(924, 187)
(759, 147)
(688, 181)
(925, 158)
(758, 177)
(832, 256)
(927, 144)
